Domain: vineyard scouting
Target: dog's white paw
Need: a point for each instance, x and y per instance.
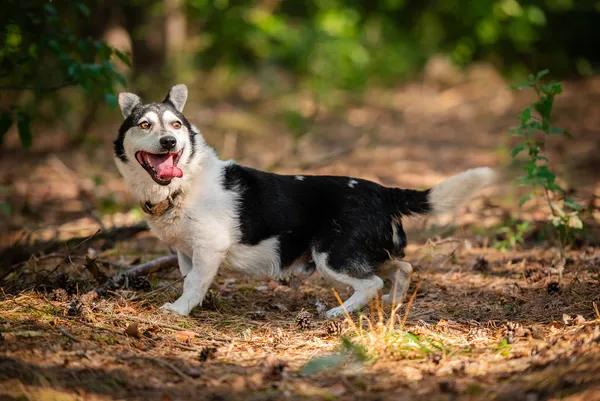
(335, 312)
(172, 308)
(389, 299)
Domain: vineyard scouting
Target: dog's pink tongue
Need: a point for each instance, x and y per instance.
(164, 166)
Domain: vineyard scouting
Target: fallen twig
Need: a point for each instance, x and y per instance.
(204, 336)
(156, 291)
(17, 254)
(116, 282)
(68, 335)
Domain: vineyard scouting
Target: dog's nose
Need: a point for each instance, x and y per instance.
(168, 142)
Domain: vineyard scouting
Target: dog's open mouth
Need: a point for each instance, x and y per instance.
(162, 167)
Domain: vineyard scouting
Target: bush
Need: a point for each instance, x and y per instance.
(42, 50)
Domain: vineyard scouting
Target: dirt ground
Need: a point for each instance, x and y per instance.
(482, 323)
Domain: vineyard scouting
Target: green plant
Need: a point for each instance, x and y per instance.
(43, 49)
(535, 120)
(503, 348)
(513, 235)
(347, 352)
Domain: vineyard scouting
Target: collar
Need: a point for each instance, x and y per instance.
(160, 208)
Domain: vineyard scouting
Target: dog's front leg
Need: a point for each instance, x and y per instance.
(185, 263)
(205, 263)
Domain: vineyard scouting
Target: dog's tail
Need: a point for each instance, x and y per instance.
(448, 195)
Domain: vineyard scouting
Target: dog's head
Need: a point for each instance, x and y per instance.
(155, 141)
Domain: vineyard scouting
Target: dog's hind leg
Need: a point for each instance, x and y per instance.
(364, 288)
(400, 276)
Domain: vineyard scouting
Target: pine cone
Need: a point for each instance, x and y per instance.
(207, 353)
(304, 320)
(60, 295)
(334, 327)
(140, 284)
(211, 301)
(553, 287)
(63, 281)
(75, 308)
(481, 265)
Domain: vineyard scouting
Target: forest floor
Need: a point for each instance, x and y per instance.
(484, 323)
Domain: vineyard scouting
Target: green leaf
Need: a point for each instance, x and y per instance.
(50, 9)
(123, 57)
(23, 124)
(416, 340)
(524, 199)
(572, 204)
(121, 79)
(544, 106)
(524, 226)
(54, 46)
(5, 208)
(83, 9)
(111, 100)
(521, 85)
(541, 74)
(94, 69)
(555, 187)
(534, 126)
(525, 115)
(324, 363)
(552, 88)
(6, 120)
(355, 350)
(518, 149)
(556, 131)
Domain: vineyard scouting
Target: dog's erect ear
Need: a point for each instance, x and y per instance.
(128, 102)
(177, 97)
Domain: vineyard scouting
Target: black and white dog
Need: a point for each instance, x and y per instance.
(218, 213)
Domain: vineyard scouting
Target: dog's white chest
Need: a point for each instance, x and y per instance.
(169, 229)
(261, 259)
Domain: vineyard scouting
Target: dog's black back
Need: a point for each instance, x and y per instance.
(356, 222)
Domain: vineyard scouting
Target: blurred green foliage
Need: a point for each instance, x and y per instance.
(350, 44)
(43, 49)
(323, 45)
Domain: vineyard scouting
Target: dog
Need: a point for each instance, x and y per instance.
(217, 213)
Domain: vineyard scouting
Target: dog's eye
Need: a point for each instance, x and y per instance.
(144, 125)
(176, 124)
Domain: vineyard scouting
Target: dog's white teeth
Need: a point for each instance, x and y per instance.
(149, 163)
